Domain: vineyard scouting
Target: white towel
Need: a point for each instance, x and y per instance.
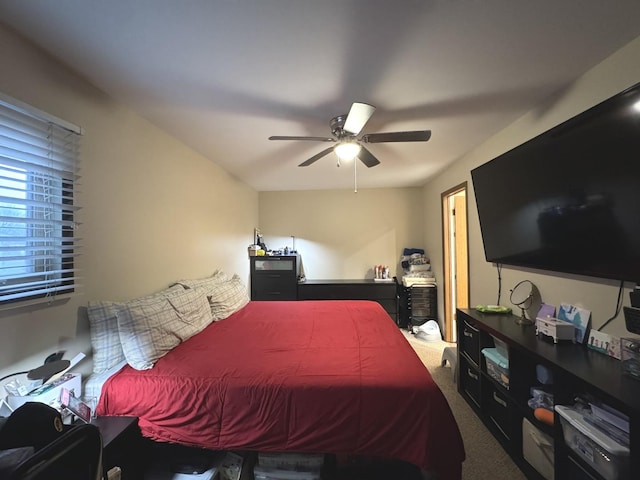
(420, 268)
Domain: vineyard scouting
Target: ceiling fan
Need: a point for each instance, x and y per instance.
(346, 128)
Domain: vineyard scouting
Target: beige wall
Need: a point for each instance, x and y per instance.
(153, 211)
(341, 234)
(618, 72)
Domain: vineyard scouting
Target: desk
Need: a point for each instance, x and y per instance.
(365, 289)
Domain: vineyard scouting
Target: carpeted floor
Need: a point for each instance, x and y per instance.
(486, 459)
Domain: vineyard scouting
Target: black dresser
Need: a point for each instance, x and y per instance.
(365, 289)
(274, 277)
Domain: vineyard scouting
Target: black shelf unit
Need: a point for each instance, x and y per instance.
(416, 304)
(576, 371)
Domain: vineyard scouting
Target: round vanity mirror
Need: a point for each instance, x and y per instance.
(522, 297)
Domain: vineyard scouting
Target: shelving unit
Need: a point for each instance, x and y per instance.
(576, 370)
(417, 304)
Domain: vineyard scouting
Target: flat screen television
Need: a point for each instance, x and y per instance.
(568, 200)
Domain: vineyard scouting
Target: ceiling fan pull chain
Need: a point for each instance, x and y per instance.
(355, 175)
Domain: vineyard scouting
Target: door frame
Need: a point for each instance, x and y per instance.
(460, 257)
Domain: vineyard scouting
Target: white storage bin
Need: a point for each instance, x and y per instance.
(606, 456)
(537, 449)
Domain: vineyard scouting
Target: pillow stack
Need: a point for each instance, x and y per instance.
(145, 329)
(226, 295)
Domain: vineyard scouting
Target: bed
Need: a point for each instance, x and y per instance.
(307, 376)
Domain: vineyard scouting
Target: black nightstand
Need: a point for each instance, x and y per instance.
(122, 446)
(274, 277)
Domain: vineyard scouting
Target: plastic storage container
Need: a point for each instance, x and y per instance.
(291, 461)
(497, 366)
(630, 356)
(606, 456)
(268, 473)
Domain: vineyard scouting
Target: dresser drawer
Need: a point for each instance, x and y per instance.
(470, 341)
(496, 404)
(274, 287)
(469, 381)
(269, 265)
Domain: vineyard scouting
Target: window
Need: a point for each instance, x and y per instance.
(38, 181)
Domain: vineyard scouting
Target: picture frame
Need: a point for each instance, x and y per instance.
(578, 316)
(75, 405)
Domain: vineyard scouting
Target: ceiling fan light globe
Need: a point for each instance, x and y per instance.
(347, 151)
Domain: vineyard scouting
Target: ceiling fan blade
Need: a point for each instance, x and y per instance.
(367, 157)
(316, 157)
(415, 136)
(314, 139)
(358, 116)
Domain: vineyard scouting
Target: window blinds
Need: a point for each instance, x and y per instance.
(38, 205)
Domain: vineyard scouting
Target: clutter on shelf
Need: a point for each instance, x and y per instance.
(416, 267)
(599, 434)
(381, 273)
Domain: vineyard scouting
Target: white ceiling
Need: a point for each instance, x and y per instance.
(224, 75)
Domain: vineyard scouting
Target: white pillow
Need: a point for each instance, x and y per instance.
(150, 328)
(105, 339)
(228, 298)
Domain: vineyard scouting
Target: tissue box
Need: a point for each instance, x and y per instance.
(49, 394)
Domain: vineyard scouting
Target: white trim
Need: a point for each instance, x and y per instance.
(27, 109)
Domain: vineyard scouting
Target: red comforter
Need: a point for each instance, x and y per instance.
(311, 376)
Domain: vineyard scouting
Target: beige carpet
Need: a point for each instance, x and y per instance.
(486, 459)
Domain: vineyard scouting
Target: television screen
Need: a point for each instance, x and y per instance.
(568, 200)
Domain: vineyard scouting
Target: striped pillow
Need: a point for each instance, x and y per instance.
(228, 297)
(105, 339)
(208, 284)
(150, 328)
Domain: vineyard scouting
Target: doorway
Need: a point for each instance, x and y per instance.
(455, 244)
